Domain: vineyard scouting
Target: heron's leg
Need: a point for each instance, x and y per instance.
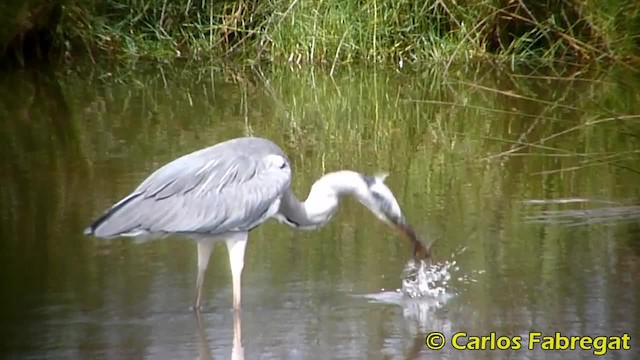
(204, 254)
(236, 246)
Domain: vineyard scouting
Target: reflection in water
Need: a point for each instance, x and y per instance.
(418, 311)
(576, 217)
(65, 135)
(237, 350)
(203, 344)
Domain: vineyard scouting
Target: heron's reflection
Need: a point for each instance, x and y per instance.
(237, 350)
(420, 315)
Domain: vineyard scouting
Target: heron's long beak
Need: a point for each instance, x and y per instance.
(420, 249)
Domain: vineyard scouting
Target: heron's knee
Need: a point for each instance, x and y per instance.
(204, 254)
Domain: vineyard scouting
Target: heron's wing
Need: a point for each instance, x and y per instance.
(209, 191)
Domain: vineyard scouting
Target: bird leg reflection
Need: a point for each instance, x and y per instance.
(203, 345)
(237, 350)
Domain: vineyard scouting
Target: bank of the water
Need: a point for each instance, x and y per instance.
(329, 32)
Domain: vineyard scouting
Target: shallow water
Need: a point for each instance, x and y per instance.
(75, 141)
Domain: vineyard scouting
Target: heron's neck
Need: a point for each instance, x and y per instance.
(322, 201)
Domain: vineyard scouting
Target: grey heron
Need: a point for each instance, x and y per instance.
(222, 192)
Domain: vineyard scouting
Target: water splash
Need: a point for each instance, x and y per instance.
(420, 279)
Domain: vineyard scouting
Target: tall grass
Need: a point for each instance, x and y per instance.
(331, 31)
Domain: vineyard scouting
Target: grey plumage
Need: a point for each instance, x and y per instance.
(230, 186)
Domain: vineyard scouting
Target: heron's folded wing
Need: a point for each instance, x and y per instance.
(201, 192)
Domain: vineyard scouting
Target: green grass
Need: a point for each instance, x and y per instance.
(374, 31)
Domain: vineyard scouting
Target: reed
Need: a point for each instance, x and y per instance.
(373, 31)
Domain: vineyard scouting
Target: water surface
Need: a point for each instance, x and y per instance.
(74, 142)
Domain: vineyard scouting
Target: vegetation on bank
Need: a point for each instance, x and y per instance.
(331, 31)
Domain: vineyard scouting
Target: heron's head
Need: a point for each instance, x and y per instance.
(380, 200)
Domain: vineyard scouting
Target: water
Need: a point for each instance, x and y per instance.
(75, 141)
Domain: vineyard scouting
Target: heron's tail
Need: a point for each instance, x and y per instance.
(101, 227)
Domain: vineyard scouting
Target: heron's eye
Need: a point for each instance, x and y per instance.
(380, 200)
(383, 203)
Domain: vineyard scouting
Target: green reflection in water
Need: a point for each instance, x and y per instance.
(74, 142)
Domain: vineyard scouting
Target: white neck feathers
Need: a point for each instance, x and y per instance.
(325, 193)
